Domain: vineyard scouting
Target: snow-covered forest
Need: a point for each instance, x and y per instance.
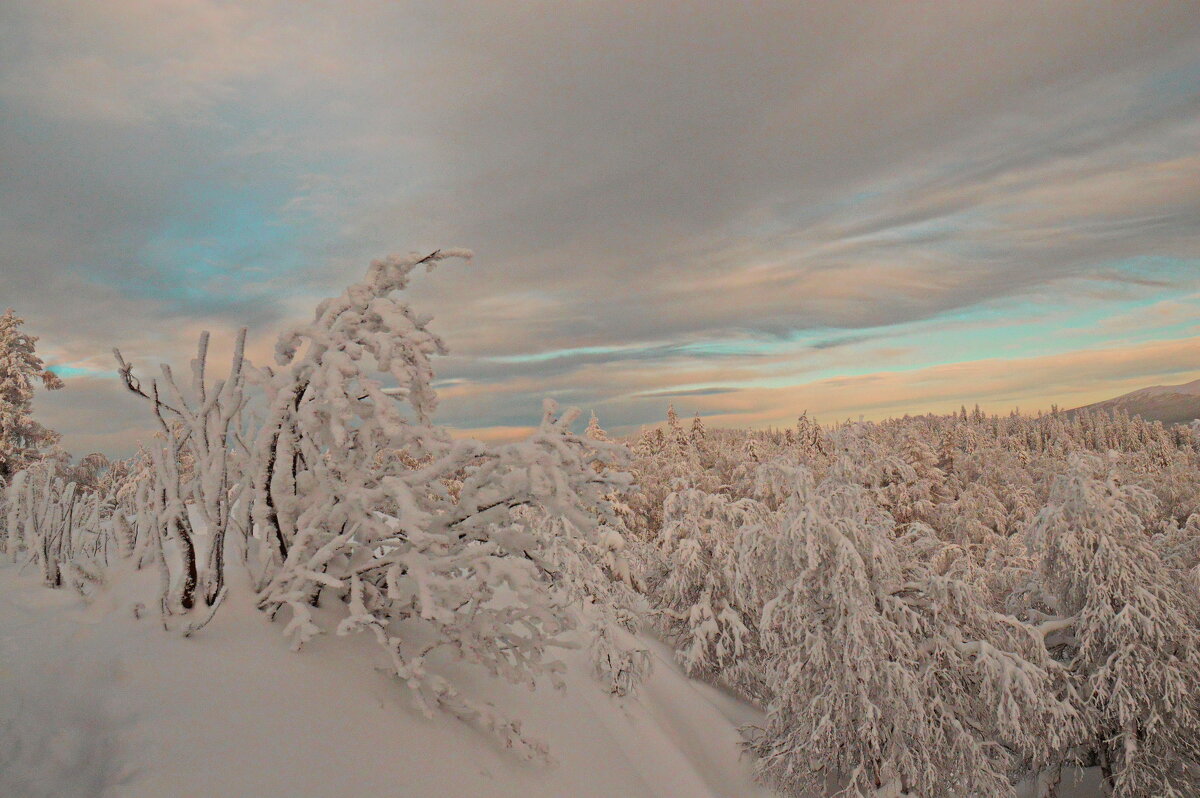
(957, 605)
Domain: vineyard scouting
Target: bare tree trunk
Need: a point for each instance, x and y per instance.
(187, 551)
(216, 568)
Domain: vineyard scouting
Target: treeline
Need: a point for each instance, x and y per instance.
(937, 605)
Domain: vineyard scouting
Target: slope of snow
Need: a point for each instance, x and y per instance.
(96, 703)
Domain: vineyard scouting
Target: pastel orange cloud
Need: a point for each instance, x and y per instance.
(1066, 380)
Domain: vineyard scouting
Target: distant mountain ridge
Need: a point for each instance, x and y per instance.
(1170, 404)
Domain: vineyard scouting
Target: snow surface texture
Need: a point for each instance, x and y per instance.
(96, 703)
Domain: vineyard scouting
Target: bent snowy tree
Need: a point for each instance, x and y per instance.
(359, 493)
(343, 487)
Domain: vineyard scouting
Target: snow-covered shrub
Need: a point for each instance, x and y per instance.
(339, 490)
(887, 679)
(426, 539)
(593, 574)
(1126, 626)
(196, 477)
(56, 526)
(715, 636)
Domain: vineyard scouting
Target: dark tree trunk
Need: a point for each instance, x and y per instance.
(187, 551)
(216, 568)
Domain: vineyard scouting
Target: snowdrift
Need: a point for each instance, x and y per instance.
(95, 702)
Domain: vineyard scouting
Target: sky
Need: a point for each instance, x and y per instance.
(749, 210)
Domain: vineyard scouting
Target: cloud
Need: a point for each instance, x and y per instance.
(660, 201)
(96, 414)
(1165, 313)
(1000, 385)
(692, 392)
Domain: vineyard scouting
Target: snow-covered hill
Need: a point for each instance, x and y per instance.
(96, 703)
(1170, 404)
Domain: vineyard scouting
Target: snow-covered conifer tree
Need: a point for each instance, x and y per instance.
(594, 431)
(22, 440)
(676, 437)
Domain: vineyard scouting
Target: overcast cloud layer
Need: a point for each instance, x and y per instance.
(747, 209)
